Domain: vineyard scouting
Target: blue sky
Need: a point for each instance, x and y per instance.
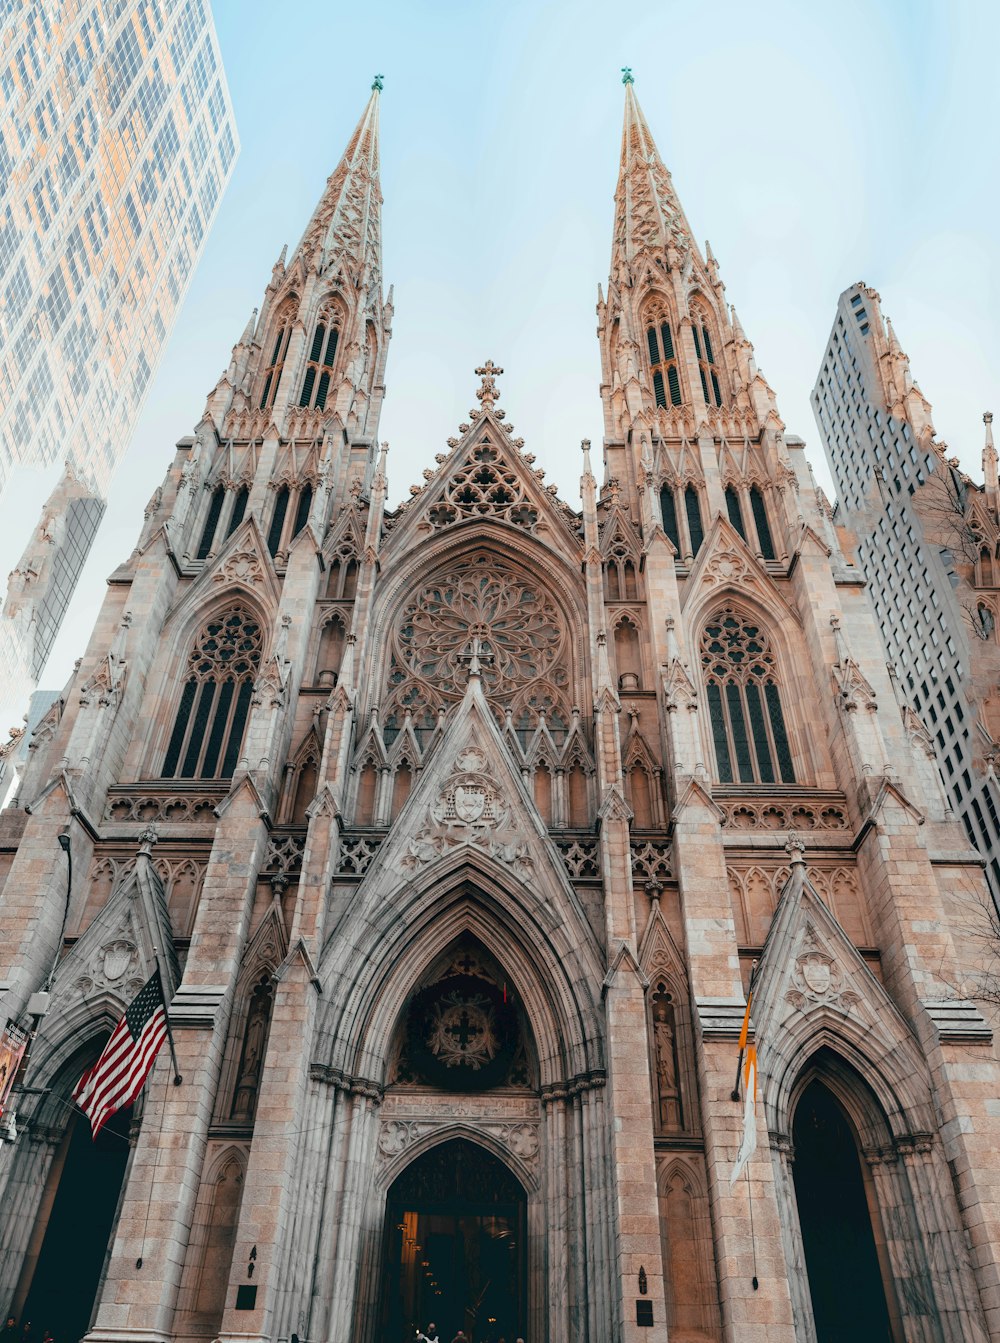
(813, 144)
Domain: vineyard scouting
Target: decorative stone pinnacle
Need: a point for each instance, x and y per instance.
(487, 394)
(627, 77)
(377, 83)
(796, 849)
(147, 838)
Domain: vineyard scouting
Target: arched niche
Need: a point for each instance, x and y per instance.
(464, 1027)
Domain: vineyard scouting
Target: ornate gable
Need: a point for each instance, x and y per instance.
(725, 561)
(471, 799)
(814, 989)
(243, 562)
(109, 963)
(486, 476)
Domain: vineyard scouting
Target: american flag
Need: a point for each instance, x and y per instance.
(118, 1075)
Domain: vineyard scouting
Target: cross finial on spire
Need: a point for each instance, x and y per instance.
(377, 82)
(627, 77)
(488, 393)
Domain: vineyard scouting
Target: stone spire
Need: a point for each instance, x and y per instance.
(346, 226)
(648, 214)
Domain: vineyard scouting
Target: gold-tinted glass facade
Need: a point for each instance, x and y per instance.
(117, 139)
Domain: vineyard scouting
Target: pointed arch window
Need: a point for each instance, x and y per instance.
(707, 367)
(759, 510)
(274, 369)
(319, 368)
(620, 579)
(291, 502)
(239, 509)
(744, 702)
(212, 713)
(220, 496)
(663, 362)
(216, 500)
(735, 510)
(281, 497)
(302, 511)
(680, 509)
(668, 511)
(692, 507)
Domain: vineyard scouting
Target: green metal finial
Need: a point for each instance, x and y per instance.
(627, 75)
(377, 82)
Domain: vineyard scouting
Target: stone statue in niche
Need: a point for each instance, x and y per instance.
(668, 1094)
(252, 1053)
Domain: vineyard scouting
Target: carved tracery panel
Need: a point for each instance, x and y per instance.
(486, 605)
(487, 485)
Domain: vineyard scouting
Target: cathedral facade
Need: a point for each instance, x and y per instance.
(459, 829)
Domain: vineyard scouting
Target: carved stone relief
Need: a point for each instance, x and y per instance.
(403, 1126)
(818, 979)
(469, 809)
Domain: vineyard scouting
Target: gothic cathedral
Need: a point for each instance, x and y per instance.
(460, 828)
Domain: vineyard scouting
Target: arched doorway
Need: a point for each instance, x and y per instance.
(455, 1240)
(83, 1191)
(845, 1276)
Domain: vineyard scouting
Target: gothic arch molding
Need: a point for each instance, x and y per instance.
(386, 1177)
(553, 971)
(896, 1079)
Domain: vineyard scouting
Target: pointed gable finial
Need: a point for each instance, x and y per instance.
(627, 76)
(377, 83)
(488, 394)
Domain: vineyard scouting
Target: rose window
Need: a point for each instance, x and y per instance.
(486, 607)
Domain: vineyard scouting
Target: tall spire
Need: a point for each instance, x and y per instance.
(648, 214)
(346, 226)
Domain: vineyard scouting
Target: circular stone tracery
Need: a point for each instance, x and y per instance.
(486, 606)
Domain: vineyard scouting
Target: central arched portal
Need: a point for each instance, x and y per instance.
(455, 1240)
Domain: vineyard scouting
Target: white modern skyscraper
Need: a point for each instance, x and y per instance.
(117, 139)
(925, 537)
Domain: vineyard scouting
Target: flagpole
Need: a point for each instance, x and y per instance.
(744, 1031)
(178, 1079)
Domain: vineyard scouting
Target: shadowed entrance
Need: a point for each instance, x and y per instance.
(66, 1277)
(455, 1247)
(845, 1280)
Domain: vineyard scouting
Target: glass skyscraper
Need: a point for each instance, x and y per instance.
(117, 139)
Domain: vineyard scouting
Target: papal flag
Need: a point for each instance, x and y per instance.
(748, 1142)
(118, 1075)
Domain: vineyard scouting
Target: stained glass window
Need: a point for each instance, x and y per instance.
(744, 702)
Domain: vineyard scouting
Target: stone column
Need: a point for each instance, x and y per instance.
(166, 1172)
(750, 1315)
(266, 1214)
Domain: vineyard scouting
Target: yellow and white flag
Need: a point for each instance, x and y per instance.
(748, 1142)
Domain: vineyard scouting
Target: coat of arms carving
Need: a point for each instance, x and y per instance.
(469, 809)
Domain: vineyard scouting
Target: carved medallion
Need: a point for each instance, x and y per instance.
(118, 959)
(463, 1032)
(469, 809)
(817, 971)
